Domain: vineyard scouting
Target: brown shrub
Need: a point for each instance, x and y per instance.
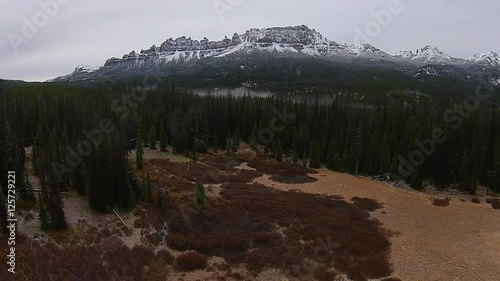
(245, 209)
(157, 271)
(166, 256)
(476, 200)
(322, 274)
(495, 204)
(367, 204)
(190, 261)
(441, 202)
(263, 239)
(179, 242)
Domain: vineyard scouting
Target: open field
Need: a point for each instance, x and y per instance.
(267, 221)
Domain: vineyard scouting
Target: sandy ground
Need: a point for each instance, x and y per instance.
(458, 242)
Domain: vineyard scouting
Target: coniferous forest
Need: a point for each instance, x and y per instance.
(81, 136)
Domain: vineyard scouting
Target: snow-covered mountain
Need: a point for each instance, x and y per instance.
(279, 42)
(428, 54)
(490, 58)
(299, 40)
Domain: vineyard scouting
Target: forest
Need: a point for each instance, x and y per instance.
(81, 136)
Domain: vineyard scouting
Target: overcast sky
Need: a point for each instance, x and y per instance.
(89, 32)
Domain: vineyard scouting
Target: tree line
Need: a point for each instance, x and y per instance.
(363, 133)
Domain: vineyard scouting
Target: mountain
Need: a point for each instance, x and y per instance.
(428, 54)
(285, 54)
(490, 58)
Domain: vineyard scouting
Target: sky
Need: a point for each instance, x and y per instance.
(44, 39)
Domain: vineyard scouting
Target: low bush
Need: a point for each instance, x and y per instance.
(263, 238)
(322, 274)
(441, 202)
(495, 204)
(190, 261)
(476, 200)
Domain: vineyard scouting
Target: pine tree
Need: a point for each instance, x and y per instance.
(235, 142)
(163, 137)
(295, 154)
(331, 155)
(43, 216)
(215, 142)
(139, 151)
(315, 154)
(200, 201)
(278, 152)
(152, 138)
(79, 180)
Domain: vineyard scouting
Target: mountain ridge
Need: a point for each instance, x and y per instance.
(258, 44)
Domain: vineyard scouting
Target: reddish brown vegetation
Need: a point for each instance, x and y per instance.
(441, 202)
(495, 203)
(361, 248)
(322, 274)
(476, 200)
(110, 260)
(190, 261)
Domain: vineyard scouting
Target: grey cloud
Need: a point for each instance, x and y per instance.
(89, 32)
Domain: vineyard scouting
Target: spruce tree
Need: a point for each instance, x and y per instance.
(163, 137)
(139, 153)
(315, 156)
(215, 142)
(200, 200)
(331, 155)
(278, 152)
(152, 138)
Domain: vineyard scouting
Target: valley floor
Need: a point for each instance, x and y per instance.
(457, 242)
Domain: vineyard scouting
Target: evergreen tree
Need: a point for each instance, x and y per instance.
(295, 155)
(152, 138)
(332, 152)
(278, 152)
(43, 216)
(140, 152)
(163, 137)
(79, 180)
(200, 201)
(315, 156)
(235, 142)
(215, 142)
